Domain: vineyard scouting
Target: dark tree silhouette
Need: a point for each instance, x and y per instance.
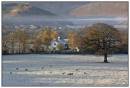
(103, 38)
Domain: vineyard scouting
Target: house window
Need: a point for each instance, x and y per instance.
(54, 43)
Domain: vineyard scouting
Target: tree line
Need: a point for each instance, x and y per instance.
(100, 38)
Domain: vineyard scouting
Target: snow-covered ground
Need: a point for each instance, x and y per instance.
(64, 70)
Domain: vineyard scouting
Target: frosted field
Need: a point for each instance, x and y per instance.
(64, 70)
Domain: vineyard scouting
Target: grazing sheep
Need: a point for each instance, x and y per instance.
(10, 72)
(26, 69)
(70, 74)
(77, 69)
(85, 73)
(17, 68)
(63, 73)
(42, 67)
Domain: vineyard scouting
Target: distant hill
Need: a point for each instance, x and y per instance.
(62, 14)
(102, 9)
(24, 9)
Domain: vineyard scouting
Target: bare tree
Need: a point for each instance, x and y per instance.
(103, 37)
(5, 47)
(10, 40)
(21, 39)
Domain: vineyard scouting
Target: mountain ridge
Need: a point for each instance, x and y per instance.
(24, 9)
(102, 9)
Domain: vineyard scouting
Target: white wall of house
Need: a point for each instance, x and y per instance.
(56, 42)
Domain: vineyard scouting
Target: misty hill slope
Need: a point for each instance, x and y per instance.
(60, 8)
(102, 9)
(24, 9)
(70, 14)
(6, 7)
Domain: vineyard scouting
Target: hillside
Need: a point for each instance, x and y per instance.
(102, 9)
(24, 9)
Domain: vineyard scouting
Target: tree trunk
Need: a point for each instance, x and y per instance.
(12, 48)
(105, 58)
(105, 52)
(23, 48)
(19, 49)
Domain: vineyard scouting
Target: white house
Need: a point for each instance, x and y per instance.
(56, 42)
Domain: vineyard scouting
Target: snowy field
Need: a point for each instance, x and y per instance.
(64, 70)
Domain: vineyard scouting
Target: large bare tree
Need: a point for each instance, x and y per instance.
(103, 38)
